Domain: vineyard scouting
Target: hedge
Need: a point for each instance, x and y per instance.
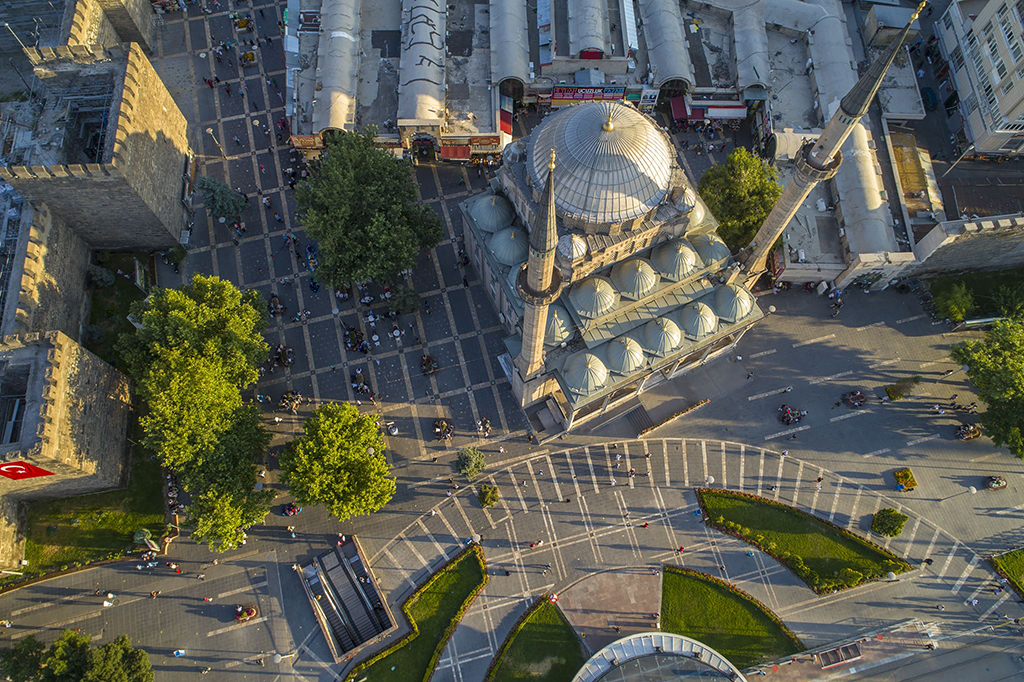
(503, 649)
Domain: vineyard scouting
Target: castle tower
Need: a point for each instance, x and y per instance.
(819, 160)
(540, 282)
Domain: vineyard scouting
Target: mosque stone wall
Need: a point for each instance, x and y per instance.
(971, 246)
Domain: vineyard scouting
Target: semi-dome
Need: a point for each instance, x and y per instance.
(710, 247)
(572, 246)
(559, 325)
(661, 336)
(585, 373)
(613, 163)
(733, 303)
(513, 276)
(594, 296)
(676, 259)
(687, 203)
(634, 278)
(698, 320)
(509, 246)
(492, 213)
(625, 355)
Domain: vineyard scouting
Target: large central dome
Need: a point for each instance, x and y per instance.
(612, 163)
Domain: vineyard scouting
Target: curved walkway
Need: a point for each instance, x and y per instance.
(567, 514)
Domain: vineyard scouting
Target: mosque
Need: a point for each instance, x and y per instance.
(603, 263)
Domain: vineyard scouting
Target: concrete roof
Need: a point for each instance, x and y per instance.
(666, 46)
(337, 64)
(510, 45)
(421, 81)
(588, 26)
(752, 65)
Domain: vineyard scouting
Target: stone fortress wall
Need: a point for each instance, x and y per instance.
(971, 245)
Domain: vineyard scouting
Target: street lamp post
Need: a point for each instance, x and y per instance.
(8, 27)
(280, 657)
(960, 158)
(216, 142)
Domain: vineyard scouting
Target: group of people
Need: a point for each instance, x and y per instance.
(483, 426)
(443, 429)
(355, 341)
(283, 355)
(290, 401)
(173, 504)
(789, 416)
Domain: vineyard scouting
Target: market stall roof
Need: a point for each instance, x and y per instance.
(666, 46)
(510, 46)
(334, 107)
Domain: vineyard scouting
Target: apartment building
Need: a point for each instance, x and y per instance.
(982, 43)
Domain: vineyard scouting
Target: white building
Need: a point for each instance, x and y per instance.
(983, 43)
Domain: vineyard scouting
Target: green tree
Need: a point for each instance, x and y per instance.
(470, 463)
(119, 661)
(21, 664)
(339, 462)
(360, 206)
(100, 277)
(996, 368)
(220, 518)
(67, 659)
(404, 299)
(955, 303)
(1009, 300)
(888, 522)
(488, 495)
(221, 201)
(740, 193)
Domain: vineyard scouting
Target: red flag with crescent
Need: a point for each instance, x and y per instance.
(19, 470)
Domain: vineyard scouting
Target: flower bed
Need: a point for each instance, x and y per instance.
(678, 414)
(824, 555)
(429, 608)
(905, 477)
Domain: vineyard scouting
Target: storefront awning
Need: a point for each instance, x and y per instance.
(727, 112)
(678, 107)
(459, 152)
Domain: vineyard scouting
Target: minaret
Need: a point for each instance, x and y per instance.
(540, 282)
(819, 160)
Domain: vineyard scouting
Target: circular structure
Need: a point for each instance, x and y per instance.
(559, 326)
(657, 657)
(625, 355)
(733, 303)
(677, 259)
(513, 277)
(492, 213)
(572, 246)
(698, 320)
(584, 372)
(594, 296)
(634, 278)
(710, 247)
(510, 245)
(662, 336)
(613, 163)
(687, 203)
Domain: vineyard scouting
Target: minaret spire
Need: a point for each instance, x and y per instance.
(819, 160)
(540, 282)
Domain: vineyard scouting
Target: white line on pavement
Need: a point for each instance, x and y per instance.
(247, 588)
(849, 415)
(922, 439)
(822, 380)
(994, 606)
(876, 452)
(869, 326)
(1010, 510)
(986, 457)
(945, 565)
(909, 319)
(884, 363)
(236, 626)
(762, 354)
(768, 393)
(810, 341)
(787, 432)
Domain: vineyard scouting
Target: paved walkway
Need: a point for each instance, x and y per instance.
(576, 511)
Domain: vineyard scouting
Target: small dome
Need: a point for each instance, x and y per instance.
(710, 247)
(733, 303)
(513, 275)
(492, 213)
(662, 336)
(509, 245)
(687, 203)
(625, 355)
(559, 326)
(677, 259)
(594, 296)
(698, 320)
(572, 247)
(634, 278)
(585, 373)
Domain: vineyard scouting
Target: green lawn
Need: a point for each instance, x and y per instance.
(544, 648)
(74, 530)
(729, 621)
(796, 537)
(438, 604)
(1012, 566)
(110, 305)
(982, 284)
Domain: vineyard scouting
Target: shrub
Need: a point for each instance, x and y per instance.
(100, 277)
(177, 254)
(902, 387)
(850, 577)
(404, 299)
(93, 334)
(888, 522)
(470, 463)
(956, 303)
(488, 495)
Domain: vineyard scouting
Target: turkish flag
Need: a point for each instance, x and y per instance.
(19, 470)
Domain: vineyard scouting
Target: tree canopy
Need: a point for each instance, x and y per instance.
(220, 200)
(995, 365)
(197, 348)
(359, 204)
(69, 659)
(331, 463)
(740, 194)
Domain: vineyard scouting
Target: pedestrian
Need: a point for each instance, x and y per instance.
(819, 487)
(263, 169)
(820, 479)
(153, 594)
(501, 449)
(785, 453)
(750, 375)
(227, 88)
(261, 14)
(974, 602)
(646, 525)
(201, 576)
(940, 607)
(277, 217)
(207, 599)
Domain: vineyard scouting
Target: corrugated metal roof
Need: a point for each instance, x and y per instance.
(421, 69)
(338, 65)
(666, 46)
